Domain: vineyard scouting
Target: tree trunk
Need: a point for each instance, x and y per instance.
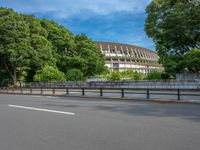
(14, 77)
(13, 74)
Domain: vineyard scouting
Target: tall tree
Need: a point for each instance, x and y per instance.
(14, 45)
(42, 48)
(174, 26)
(62, 41)
(23, 44)
(27, 44)
(91, 55)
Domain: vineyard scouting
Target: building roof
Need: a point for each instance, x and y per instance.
(113, 44)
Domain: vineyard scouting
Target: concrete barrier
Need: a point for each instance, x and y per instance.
(143, 84)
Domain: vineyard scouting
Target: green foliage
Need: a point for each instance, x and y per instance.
(62, 42)
(138, 76)
(27, 44)
(105, 76)
(88, 57)
(14, 45)
(23, 44)
(5, 78)
(154, 76)
(174, 27)
(132, 75)
(22, 74)
(49, 74)
(115, 76)
(74, 52)
(74, 75)
(190, 62)
(106, 70)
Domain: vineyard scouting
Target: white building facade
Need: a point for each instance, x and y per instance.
(122, 57)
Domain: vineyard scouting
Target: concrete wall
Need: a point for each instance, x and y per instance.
(187, 76)
(165, 84)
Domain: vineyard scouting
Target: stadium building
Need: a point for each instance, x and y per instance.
(123, 57)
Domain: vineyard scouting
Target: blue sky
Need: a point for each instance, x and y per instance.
(102, 20)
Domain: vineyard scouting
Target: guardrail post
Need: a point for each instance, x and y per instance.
(148, 94)
(178, 94)
(122, 92)
(67, 91)
(41, 91)
(30, 90)
(83, 91)
(21, 91)
(53, 91)
(101, 92)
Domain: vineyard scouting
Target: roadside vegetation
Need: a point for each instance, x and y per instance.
(132, 75)
(174, 26)
(34, 49)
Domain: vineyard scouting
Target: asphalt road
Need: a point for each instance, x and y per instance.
(52, 123)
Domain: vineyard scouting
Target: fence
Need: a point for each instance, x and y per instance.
(146, 93)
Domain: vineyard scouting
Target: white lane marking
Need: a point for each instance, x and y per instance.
(52, 97)
(36, 96)
(40, 109)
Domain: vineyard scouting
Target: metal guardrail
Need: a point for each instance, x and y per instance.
(101, 91)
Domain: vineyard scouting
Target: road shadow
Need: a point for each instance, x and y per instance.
(185, 111)
(162, 109)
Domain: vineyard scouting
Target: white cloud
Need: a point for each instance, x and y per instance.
(111, 28)
(67, 8)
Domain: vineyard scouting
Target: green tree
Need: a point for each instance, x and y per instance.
(27, 44)
(62, 40)
(190, 62)
(86, 57)
(174, 27)
(74, 52)
(74, 75)
(42, 48)
(14, 45)
(23, 45)
(49, 74)
(93, 61)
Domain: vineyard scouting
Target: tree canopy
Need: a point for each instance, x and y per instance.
(174, 26)
(27, 44)
(74, 75)
(190, 62)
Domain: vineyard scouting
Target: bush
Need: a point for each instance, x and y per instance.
(49, 74)
(133, 75)
(154, 76)
(74, 75)
(115, 75)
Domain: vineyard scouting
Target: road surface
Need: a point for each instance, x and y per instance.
(66, 123)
